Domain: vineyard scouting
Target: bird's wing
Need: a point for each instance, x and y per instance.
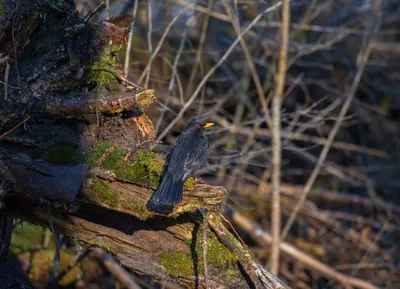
(172, 155)
(195, 158)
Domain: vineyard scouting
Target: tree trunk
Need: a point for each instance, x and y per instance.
(75, 151)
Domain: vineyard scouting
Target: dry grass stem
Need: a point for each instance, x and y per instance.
(212, 70)
(363, 56)
(160, 43)
(276, 139)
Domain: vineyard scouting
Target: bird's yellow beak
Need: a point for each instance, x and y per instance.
(208, 124)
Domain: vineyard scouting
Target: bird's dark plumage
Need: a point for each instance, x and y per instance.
(188, 154)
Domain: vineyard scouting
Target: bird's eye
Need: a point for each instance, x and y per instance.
(198, 126)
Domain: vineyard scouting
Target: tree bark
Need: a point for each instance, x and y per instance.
(75, 152)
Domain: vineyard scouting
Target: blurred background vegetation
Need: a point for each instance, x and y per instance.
(350, 218)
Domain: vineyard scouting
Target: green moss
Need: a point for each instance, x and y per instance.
(108, 197)
(114, 159)
(35, 153)
(99, 76)
(139, 208)
(181, 263)
(3, 8)
(27, 236)
(151, 160)
(28, 228)
(188, 242)
(146, 169)
(95, 156)
(20, 244)
(189, 184)
(177, 263)
(64, 153)
(149, 167)
(103, 192)
(231, 273)
(217, 253)
(104, 78)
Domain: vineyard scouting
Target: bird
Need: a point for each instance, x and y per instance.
(187, 155)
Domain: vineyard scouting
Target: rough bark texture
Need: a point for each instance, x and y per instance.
(75, 151)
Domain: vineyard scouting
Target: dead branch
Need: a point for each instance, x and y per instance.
(259, 277)
(119, 273)
(341, 198)
(263, 238)
(304, 138)
(82, 104)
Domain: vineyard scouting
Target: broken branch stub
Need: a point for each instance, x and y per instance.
(80, 105)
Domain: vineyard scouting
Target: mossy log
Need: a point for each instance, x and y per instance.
(83, 166)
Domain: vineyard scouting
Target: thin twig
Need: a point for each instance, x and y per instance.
(199, 51)
(6, 74)
(204, 10)
(250, 140)
(365, 256)
(319, 28)
(149, 39)
(79, 258)
(119, 273)
(174, 72)
(93, 12)
(108, 15)
(15, 127)
(259, 89)
(56, 260)
(205, 228)
(263, 238)
(129, 84)
(14, 45)
(276, 139)
(304, 138)
(259, 277)
(13, 87)
(130, 39)
(214, 68)
(363, 58)
(249, 60)
(163, 37)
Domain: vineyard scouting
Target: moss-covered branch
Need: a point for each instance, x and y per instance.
(261, 278)
(115, 103)
(112, 214)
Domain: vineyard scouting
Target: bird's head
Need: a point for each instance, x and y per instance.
(197, 126)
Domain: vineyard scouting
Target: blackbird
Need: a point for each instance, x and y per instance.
(188, 154)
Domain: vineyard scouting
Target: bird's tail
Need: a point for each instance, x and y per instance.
(168, 194)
